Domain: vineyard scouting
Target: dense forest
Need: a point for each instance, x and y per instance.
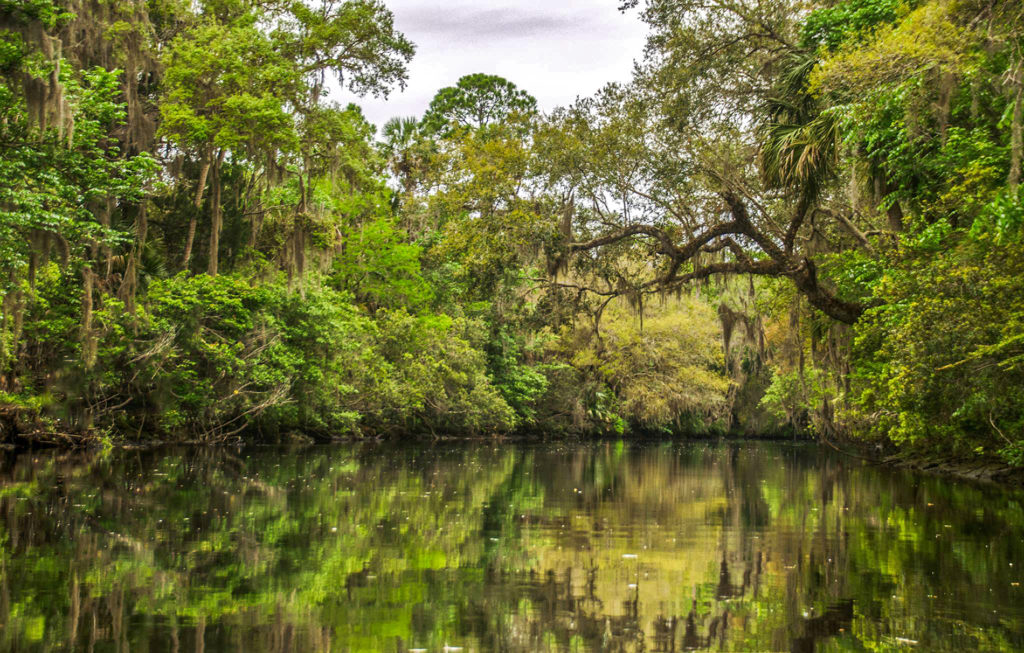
(794, 219)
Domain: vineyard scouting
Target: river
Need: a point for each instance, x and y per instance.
(501, 547)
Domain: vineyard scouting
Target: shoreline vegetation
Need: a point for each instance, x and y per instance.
(990, 469)
(979, 470)
(801, 220)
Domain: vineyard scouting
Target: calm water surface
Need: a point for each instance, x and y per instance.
(610, 547)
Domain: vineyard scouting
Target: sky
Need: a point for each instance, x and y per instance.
(557, 50)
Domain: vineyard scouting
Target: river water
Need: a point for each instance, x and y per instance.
(478, 547)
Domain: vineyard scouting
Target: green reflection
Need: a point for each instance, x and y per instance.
(578, 548)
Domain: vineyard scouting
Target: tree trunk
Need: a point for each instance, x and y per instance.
(806, 280)
(200, 645)
(197, 204)
(216, 216)
(1017, 135)
(108, 252)
(854, 231)
(130, 281)
(33, 265)
(894, 213)
(19, 324)
(142, 227)
(88, 341)
(802, 208)
(803, 272)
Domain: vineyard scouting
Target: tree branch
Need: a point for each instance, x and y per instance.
(781, 261)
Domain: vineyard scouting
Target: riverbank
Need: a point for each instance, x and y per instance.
(976, 470)
(19, 433)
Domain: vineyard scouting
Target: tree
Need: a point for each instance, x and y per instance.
(476, 101)
(61, 173)
(692, 202)
(355, 40)
(222, 82)
(669, 160)
(405, 160)
(234, 86)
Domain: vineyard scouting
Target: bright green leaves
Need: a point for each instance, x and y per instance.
(856, 273)
(227, 87)
(213, 354)
(832, 26)
(380, 268)
(520, 383)
(249, 80)
(233, 83)
(933, 362)
(12, 54)
(1002, 220)
(887, 129)
(923, 120)
(436, 376)
(316, 313)
(47, 12)
(51, 182)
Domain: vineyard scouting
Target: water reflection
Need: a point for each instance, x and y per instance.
(610, 547)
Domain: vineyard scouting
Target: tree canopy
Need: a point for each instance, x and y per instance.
(476, 101)
(791, 219)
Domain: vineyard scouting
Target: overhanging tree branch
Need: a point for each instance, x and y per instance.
(780, 261)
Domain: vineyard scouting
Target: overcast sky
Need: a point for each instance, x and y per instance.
(554, 49)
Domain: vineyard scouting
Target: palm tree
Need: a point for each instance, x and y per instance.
(400, 135)
(799, 142)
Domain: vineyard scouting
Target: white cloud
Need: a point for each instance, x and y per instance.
(556, 50)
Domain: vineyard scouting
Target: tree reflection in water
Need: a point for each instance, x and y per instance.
(609, 547)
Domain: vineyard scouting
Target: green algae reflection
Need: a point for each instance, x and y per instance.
(610, 547)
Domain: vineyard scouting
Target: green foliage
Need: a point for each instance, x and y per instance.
(1002, 219)
(484, 268)
(231, 95)
(476, 101)
(832, 26)
(49, 181)
(792, 397)
(936, 361)
(520, 383)
(207, 354)
(355, 39)
(380, 268)
(667, 375)
(47, 12)
(436, 377)
(332, 305)
(932, 359)
(213, 356)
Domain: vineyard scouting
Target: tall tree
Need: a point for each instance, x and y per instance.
(246, 97)
(669, 160)
(61, 171)
(476, 101)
